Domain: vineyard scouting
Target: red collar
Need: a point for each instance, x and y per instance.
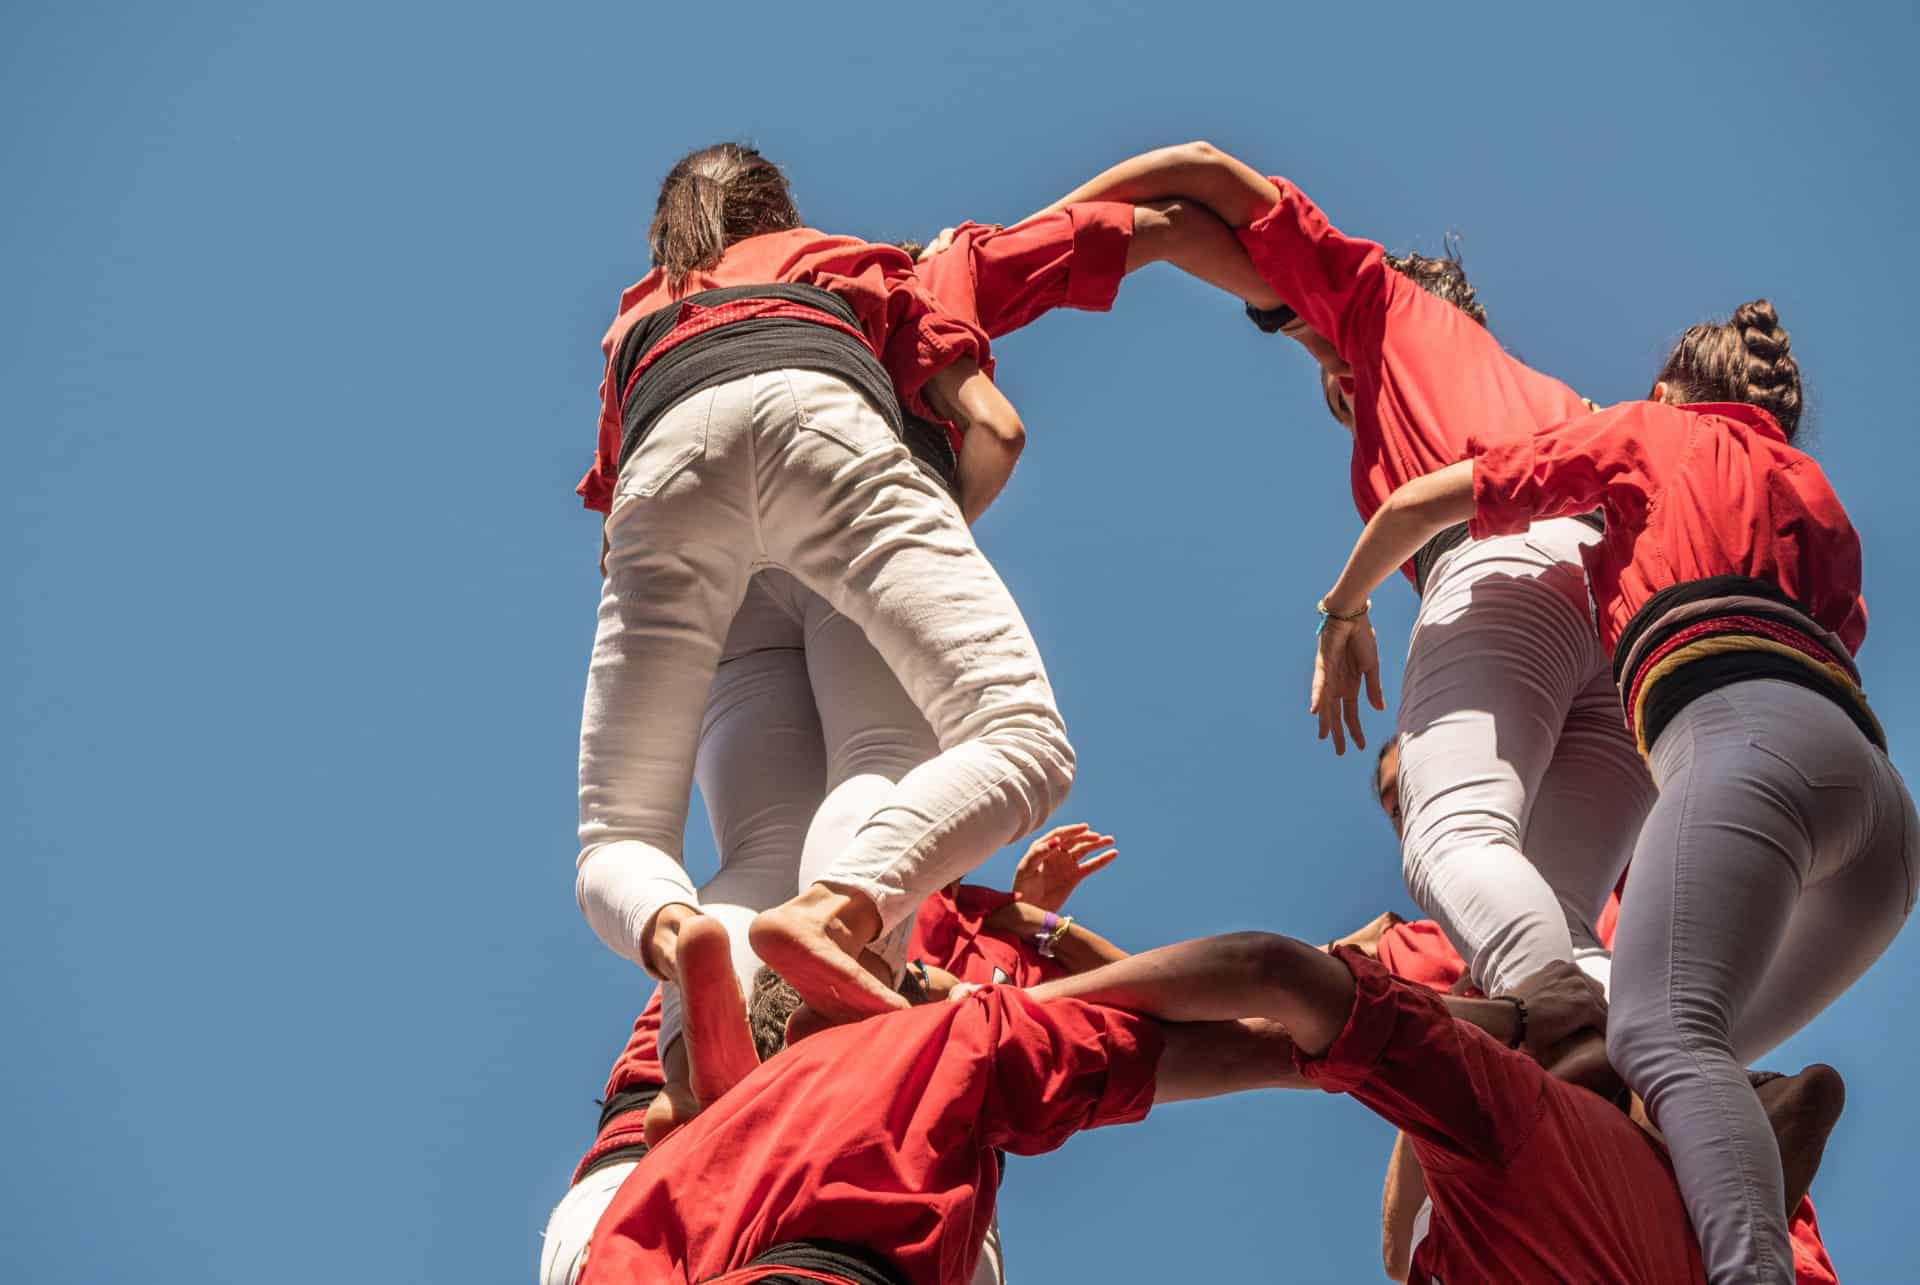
(1752, 416)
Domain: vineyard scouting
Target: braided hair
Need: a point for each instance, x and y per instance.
(1746, 358)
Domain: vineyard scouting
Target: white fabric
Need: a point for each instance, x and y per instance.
(1778, 864)
(1520, 790)
(563, 1246)
(794, 469)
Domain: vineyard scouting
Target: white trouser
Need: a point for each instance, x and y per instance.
(1779, 862)
(1520, 790)
(801, 708)
(563, 1247)
(795, 469)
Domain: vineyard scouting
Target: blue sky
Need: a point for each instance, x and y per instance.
(298, 367)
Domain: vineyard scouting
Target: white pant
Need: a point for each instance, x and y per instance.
(1778, 864)
(802, 708)
(794, 469)
(1520, 790)
(563, 1247)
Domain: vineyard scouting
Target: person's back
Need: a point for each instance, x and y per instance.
(883, 1134)
(1531, 1179)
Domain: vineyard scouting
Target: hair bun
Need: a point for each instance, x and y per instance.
(1747, 358)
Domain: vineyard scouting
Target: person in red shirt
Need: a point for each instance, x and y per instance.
(1783, 853)
(750, 414)
(1513, 841)
(798, 1158)
(969, 933)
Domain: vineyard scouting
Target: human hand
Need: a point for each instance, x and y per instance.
(1560, 1000)
(1367, 940)
(1053, 866)
(1348, 656)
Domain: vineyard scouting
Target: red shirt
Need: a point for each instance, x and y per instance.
(637, 1065)
(1689, 492)
(912, 334)
(1425, 375)
(882, 1133)
(1811, 1266)
(1531, 1179)
(951, 931)
(1001, 278)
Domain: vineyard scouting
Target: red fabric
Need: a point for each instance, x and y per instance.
(1531, 1179)
(951, 931)
(1001, 278)
(696, 320)
(1689, 492)
(1418, 951)
(913, 334)
(638, 1064)
(1425, 375)
(1811, 1266)
(881, 1132)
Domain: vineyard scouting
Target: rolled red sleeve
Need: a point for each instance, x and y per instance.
(914, 336)
(1327, 277)
(1356, 1052)
(1102, 237)
(1062, 1065)
(1503, 492)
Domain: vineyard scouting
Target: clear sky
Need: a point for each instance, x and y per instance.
(297, 367)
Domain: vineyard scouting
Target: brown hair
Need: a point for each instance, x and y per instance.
(1445, 277)
(1742, 359)
(712, 198)
(772, 1002)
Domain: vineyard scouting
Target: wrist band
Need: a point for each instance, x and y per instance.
(1271, 320)
(1343, 616)
(1054, 927)
(1520, 1020)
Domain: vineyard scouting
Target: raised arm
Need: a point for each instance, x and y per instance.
(1233, 190)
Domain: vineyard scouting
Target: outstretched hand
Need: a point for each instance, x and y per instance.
(1057, 862)
(1347, 658)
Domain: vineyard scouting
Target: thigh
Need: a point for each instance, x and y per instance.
(1860, 885)
(1500, 651)
(1717, 873)
(679, 549)
(1588, 809)
(870, 725)
(847, 511)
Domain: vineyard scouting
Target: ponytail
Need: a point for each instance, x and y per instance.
(712, 198)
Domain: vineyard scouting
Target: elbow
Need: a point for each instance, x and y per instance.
(1200, 152)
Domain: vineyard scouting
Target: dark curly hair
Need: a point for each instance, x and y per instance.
(1445, 277)
(1745, 358)
(772, 1002)
(712, 198)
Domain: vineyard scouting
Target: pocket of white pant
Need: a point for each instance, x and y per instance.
(835, 410)
(677, 440)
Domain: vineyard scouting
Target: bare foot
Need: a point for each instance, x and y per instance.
(719, 1044)
(807, 941)
(1803, 1109)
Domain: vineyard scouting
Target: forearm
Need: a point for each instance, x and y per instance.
(1240, 975)
(1411, 516)
(1400, 1201)
(1210, 1059)
(985, 467)
(992, 434)
(1196, 241)
(1228, 186)
(1079, 950)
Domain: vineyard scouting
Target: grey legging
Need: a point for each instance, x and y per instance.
(1777, 864)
